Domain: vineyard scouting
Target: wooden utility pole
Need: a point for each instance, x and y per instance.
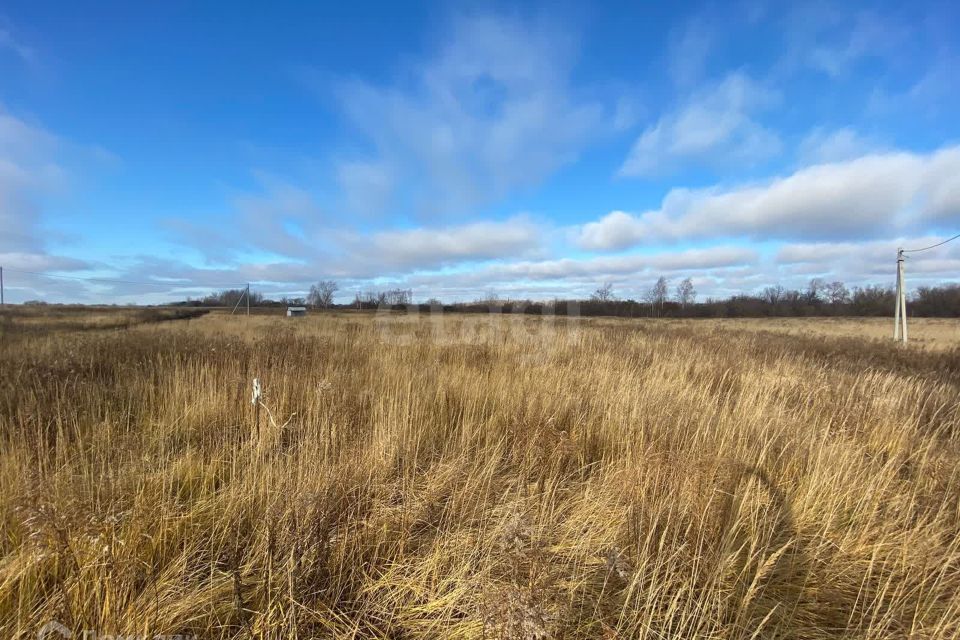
(900, 315)
(248, 298)
(1, 285)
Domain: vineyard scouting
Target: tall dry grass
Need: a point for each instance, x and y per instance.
(481, 479)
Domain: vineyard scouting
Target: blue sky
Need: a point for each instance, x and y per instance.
(459, 149)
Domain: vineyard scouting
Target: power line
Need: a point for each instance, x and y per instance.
(931, 246)
(900, 314)
(114, 281)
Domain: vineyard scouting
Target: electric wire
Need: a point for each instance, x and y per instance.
(933, 246)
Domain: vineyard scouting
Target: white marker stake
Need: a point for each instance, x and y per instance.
(255, 401)
(256, 391)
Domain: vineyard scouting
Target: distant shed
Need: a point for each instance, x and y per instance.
(296, 311)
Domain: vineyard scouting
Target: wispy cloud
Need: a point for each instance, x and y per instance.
(491, 112)
(368, 186)
(717, 124)
(934, 93)
(284, 221)
(832, 39)
(9, 42)
(28, 171)
(822, 145)
(688, 50)
(275, 217)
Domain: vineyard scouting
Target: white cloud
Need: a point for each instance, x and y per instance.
(491, 112)
(563, 278)
(27, 173)
(616, 230)
(814, 252)
(691, 259)
(425, 247)
(872, 195)
(874, 261)
(40, 262)
(822, 145)
(716, 124)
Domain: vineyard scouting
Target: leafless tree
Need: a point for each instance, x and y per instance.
(836, 292)
(399, 296)
(374, 298)
(773, 295)
(657, 295)
(603, 293)
(321, 294)
(814, 290)
(390, 297)
(685, 292)
(660, 290)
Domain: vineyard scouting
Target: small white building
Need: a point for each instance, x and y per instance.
(296, 311)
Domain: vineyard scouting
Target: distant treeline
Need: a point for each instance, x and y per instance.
(819, 299)
(942, 301)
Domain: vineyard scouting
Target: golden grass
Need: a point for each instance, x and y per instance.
(928, 333)
(498, 478)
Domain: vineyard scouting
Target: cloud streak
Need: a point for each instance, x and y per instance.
(866, 197)
(491, 112)
(9, 42)
(29, 172)
(426, 248)
(717, 124)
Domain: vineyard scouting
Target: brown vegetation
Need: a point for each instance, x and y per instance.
(476, 477)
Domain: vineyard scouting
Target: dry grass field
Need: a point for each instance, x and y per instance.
(936, 334)
(477, 478)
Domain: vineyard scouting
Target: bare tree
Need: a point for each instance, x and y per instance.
(321, 294)
(374, 298)
(814, 290)
(836, 292)
(685, 292)
(398, 296)
(603, 293)
(773, 295)
(231, 297)
(660, 290)
(390, 297)
(657, 295)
